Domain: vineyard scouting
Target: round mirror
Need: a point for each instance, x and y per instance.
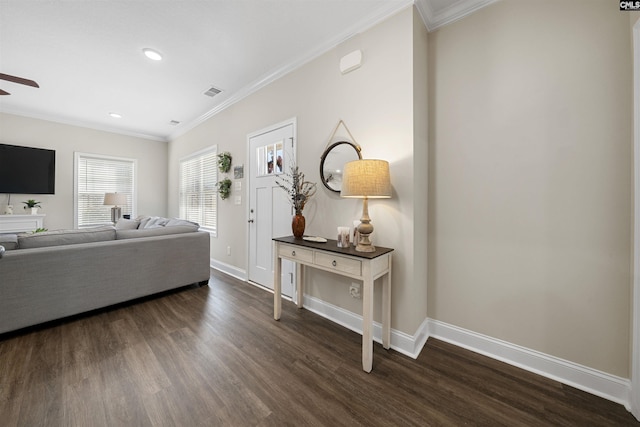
(333, 160)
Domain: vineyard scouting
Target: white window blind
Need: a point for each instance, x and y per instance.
(95, 176)
(198, 189)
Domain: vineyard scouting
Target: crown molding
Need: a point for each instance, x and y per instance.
(434, 17)
(358, 27)
(80, 124)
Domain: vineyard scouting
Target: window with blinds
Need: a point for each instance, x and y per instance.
(198, 189)
(96, 175)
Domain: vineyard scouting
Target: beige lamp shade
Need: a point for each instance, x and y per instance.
(366, 178)
(115, 199)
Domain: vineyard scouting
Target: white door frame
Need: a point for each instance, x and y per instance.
(635, 326)
(293, 121)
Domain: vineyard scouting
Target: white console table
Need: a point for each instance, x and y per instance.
(21, 223)
(364, 266)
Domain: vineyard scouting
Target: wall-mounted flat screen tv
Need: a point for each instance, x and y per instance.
(27, 170)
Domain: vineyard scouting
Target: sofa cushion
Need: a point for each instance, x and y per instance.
(127, 224)
(9, 241)
(157, 231)
(66, 237)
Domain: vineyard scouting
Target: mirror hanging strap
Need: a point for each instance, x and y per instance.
(333, 134)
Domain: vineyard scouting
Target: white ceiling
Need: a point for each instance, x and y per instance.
(87, 55)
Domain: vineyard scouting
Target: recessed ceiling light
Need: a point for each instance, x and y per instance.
(152, 54)
(115, 115)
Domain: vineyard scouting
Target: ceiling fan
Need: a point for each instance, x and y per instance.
(18, 80)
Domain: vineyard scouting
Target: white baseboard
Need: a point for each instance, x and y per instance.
(229, 269)
(400, 341)
(592, 381)
(581, 377)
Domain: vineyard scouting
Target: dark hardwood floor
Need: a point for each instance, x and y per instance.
(214, 356)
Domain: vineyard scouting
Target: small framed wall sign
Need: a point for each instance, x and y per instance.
(238, 172)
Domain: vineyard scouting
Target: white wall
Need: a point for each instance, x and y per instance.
(376, 103)
(530, 185)
(67, 139)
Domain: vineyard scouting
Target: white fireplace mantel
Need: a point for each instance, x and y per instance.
(21, 223)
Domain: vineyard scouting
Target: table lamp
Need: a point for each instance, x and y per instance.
(115, 199)
(366, 179)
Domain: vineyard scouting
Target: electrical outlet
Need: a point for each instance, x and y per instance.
(354, 290)
(228, 250)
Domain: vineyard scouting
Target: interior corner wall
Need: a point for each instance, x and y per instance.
(634, 22)
(67, 139)
(530, 121)
(420, 161)
(376, 103)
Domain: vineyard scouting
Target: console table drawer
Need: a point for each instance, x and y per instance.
(295, 253)
(336, 262)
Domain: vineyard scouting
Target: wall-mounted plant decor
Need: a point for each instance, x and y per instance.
(224, 162)
(224, 188)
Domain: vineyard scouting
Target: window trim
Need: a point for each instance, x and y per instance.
(76, 158)
(210, 149)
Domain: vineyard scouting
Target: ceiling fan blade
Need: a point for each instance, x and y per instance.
(18, 80)
(4, 92)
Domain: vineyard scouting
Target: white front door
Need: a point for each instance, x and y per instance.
(270, 154)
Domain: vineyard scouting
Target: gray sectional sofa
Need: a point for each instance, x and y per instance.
(51, 275)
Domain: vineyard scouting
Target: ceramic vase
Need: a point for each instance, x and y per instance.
(297, 225)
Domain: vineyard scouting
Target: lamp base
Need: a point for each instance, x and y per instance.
(365, 229)
(116, 214)
(364, 244)
(365, 247)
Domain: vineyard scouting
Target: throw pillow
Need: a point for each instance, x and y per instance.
(152, 222)
(178, 221)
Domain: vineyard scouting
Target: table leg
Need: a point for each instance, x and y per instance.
(299, 284)
(277, 285)
(367, 323)
(386, 308)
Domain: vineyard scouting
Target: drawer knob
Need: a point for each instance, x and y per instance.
(293, 253)
(334, 263)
